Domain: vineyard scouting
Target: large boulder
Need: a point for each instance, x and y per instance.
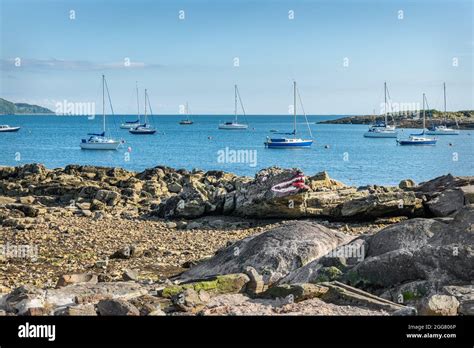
(273, 254)
(420, 249)
(329, 266)
(444, 182)
(446, 203)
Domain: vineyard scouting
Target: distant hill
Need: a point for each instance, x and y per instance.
(9, 108)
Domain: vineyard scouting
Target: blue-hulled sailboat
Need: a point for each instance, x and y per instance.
(98, 141)
(419, 139)
(293, 142)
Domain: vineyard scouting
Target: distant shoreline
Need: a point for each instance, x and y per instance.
(460, 119)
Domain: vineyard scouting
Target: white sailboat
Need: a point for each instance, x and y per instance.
(187, 120)
(98, 141)
(136, 123)
(443, 129)
(382, 129)
(419, 139)
(144, 128)
(234, 124)
(294, 142)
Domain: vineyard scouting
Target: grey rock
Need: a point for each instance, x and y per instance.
(407, 311)
(79, 310)
(191, 300)
(295, 292)
(446, 203)
(419, 250)
(468, 192)
(330, 265)
(124, 253)
(112, 307)
(410, 235)
(256, 284)
(194, 225)
(130, 274)
(273, 253)
(111, 198)
(466, 307)
(218, 224)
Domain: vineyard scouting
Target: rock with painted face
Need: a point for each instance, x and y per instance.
(274, 192)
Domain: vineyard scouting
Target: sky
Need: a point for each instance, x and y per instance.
(340, 52)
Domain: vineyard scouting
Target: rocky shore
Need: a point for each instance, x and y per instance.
(84, 240)
(463, 119)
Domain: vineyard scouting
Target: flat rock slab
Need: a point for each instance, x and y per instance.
(23, 298)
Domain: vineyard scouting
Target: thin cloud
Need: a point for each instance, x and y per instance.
(71, 65)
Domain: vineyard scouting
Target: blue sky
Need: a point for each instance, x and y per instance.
(193, 59)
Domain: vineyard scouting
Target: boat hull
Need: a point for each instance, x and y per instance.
(411, 142)
(10, 129)
(145, 132)
(234, 126)
(288, 145)
(100, 146)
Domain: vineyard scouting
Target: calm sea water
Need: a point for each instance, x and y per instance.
(351, 158)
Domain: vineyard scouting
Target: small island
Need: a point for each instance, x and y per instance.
(463, 119)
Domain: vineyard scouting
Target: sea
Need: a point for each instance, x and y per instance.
(340, 150)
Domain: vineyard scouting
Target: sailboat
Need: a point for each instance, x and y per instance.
(187, 120)
(382, 129)
(234, 124)
(294, 142)
(136, 123)
(419, 139)
(144, 128)
(443, 129)
(98, 141)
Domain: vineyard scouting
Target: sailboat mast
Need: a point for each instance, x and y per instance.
(103, 103)
(385, 105)
(138, 103)
(423, 112)
(294, 107)
(444, 94)
(235, 104)
(187, 111)
(145, 105)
